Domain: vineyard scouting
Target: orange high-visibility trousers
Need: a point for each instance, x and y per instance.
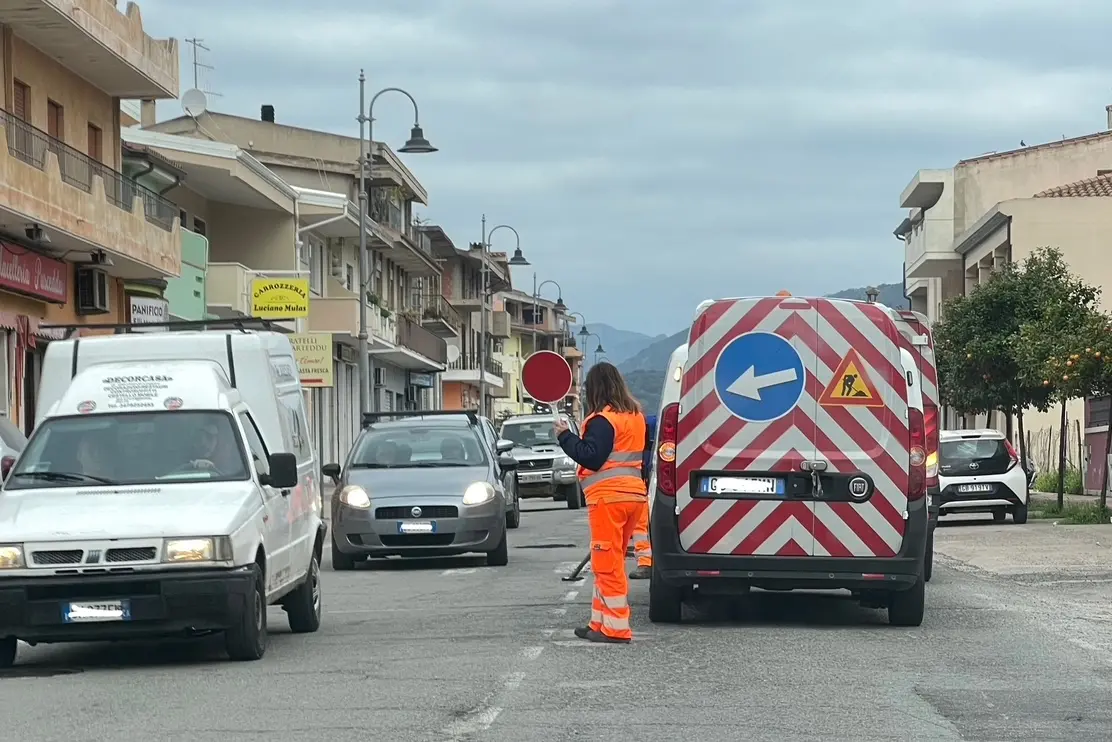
(641, 545)
(612, 525)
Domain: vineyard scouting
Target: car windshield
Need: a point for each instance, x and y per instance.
(131, 448)
(418, 446)
(531, 433)
(972, 450)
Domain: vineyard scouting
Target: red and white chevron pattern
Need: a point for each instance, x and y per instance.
(873, 440)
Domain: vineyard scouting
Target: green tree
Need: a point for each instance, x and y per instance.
(983, 364)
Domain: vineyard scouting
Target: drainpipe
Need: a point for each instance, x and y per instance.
(172, 186)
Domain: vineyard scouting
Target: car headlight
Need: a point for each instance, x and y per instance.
(355, 496)
(564, 463)
(478, 493)
(11, 556)
(201, 549)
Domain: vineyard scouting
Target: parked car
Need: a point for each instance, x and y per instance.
(979, 472)
(543, 469)
(425, 483)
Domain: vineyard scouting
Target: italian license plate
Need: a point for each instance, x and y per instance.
(533, 478)
(416, 526)
(742, 486)
(97, 611)
(975, 488)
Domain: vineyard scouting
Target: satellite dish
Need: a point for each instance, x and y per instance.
(453, 353)
(194, 102)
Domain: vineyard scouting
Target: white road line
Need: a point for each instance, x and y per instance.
(532, 653)
(483, 716)
(558, 611)
(467, 571)
(570, 595)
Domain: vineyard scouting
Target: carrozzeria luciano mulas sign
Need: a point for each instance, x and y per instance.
(274, 296)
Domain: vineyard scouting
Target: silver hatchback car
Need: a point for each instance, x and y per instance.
(423, 484)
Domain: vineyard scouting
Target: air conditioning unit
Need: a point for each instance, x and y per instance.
(380, 377)
(336, 264)
(91, 287)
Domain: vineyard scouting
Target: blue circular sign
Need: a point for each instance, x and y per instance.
(759, 377)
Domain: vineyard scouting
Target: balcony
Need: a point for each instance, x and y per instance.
(466, 369)
(411, 249)
(417, 349)
(105, 46)
(83, 204)
(338, 316)
(500, 324)
(438, 316)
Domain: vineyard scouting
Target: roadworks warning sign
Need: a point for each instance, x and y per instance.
(851, 386)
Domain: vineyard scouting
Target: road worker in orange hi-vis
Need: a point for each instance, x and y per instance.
(609, 456)
(642, 547)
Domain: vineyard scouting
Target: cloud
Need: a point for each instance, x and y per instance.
(653, 154)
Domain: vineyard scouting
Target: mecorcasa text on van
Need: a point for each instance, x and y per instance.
(169, 488)
(795, 458)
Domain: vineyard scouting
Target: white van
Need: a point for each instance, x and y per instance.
(670, 394)
(169, 488)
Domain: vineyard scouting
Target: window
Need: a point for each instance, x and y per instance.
(315, 266)
(529, 433)
(255, 444)
(96, 143)
(22, 103)
(55, 120)
(199, 227)
(131, 448)
(349, 278)
(183, 217)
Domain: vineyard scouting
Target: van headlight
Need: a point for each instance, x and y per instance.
(478, 493)
(11, 556)
(200, 549)
(355, 496)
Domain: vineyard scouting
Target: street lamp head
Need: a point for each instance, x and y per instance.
(583, 331)
(518, 258)
(417, 143)
(599, 349)
(560, 306)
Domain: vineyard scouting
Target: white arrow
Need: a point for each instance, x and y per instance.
(749, 385)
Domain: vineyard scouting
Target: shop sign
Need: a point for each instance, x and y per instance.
(280, 298)
(148, 310)
(26, 272)
(313, 352)
(421, 380)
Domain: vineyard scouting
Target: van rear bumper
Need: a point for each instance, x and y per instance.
(728, 573)
(161, 604)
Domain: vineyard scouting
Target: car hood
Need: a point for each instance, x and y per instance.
(386, 484)
(523, 453)
(167, 511)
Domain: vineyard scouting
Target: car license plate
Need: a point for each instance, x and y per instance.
(742, 486)
(534, 477)
(97, 611)
(975, 488)
(416, 526)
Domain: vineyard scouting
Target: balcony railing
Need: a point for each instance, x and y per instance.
(417, 338)
(470, 362)
(31, 144)
(435, 307)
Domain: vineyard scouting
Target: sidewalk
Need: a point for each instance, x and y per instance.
(1045, 497)
(1037, 547)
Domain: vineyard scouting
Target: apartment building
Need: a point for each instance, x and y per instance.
(78, 238)
(461, 279)
(535, 324)
(966, 220)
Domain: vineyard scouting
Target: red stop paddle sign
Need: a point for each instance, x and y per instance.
(546, 376)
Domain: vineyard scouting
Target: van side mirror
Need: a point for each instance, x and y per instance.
(6, 465)
(503, 445)
(509, 463)
(332, 471)
(283, 471)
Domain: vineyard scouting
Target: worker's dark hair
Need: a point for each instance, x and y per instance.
(606, 387)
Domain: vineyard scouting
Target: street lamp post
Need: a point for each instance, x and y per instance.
(579, 371)
(517, 259)
(559, 307)
(417, 144)
(599, 350)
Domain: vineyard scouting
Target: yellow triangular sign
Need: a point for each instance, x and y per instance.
(851, 387)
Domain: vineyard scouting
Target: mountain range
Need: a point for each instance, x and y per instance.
(642, 358)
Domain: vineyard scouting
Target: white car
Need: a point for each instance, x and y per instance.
(979, 472)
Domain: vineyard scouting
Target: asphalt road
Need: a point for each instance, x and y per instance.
(452, 650)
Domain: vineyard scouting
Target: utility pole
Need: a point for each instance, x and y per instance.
(482, 317)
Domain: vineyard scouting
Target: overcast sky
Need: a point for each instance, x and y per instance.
(653, 153)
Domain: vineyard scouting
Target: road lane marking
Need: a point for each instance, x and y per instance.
(483, 716)
(464, 571)
(570, 596)
(532, 653)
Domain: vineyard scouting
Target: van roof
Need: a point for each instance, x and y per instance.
(138, 387)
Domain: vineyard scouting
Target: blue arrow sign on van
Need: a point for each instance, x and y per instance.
(759, 376)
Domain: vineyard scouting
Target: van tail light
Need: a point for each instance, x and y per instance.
(917, 476)
(1011, 454)
(666, 450)
(6, 465)
(930, 423)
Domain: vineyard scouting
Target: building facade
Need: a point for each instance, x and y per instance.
(80, 242)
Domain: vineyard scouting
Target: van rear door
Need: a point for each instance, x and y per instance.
(747, 425)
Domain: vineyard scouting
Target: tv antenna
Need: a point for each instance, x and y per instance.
(199, 46)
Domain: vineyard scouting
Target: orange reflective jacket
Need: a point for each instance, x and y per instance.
(620, 477)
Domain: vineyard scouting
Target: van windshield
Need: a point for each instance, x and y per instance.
(131, 448)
